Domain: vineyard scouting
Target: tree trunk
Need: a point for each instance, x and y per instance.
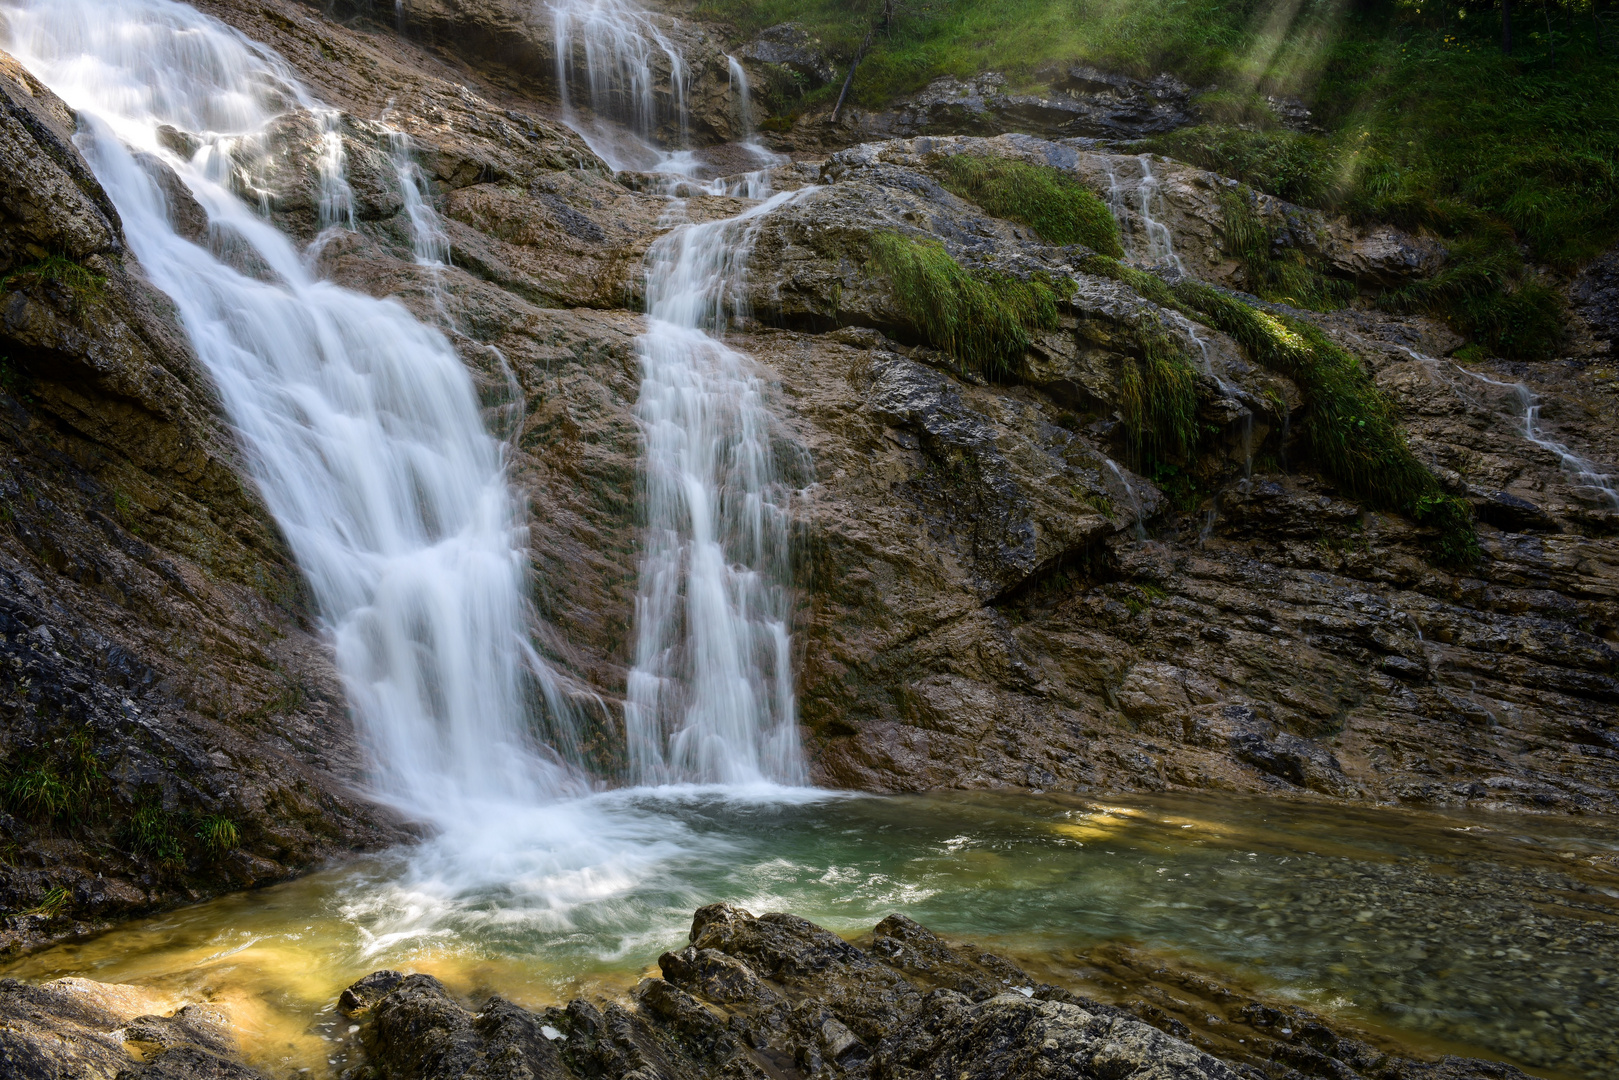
(1506, 26)
(849, 81)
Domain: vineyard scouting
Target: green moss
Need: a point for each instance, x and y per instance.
(1047, 200)
(1349, 426)
(982, 319)
(1283, 274)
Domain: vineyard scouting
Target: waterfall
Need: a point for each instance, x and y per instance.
(1160, 241)
(711, 695)
(1582, 472)
(360, 425)
(619, 42)
(1131, 496)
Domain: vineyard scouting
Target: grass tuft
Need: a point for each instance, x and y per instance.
(58, 788)
(1047, 200)
(1158, 399)
(55, 268)
(54, 904)
(1350, 428)
(217, 833)
(1273, 272)
(982, 319)
(153, 832)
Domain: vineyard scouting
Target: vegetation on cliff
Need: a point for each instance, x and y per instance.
(1418, 116)
(1049, 201)
(981, 318)
(1350, 428)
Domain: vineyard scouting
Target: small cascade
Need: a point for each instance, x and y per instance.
(1127, 203)
(711, 697)
(1583, 472)
(618, 42)
(1134, 499)
(1189, 328)
(1160, 243)
(429, 242)
(360, 424)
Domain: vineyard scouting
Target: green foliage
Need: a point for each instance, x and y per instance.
(1482, 292)
(1284, 274)
(55, 268)
(1422, 120)
(1158, 399)
(1349, 425)
(217, 833)
(982, 319)
(58, 788)
(1049, 201)
(153, 832)
(54, 904)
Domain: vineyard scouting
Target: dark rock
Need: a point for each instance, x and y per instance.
(1594, 296)
(1515, 514)
(911, 1006)
(789, 45)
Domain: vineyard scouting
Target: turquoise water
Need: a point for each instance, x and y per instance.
(1496, 936)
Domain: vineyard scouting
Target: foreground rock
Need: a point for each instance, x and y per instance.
(777, 996)
(96, 1031)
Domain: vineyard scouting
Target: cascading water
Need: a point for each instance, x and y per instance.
(360, 425)
(1582, 472)
(619, 43)
(711, 695)
(1159, 241)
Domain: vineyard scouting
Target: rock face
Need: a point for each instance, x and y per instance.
(157, 661)
(777, 996)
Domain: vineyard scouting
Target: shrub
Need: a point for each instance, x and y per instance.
(153, 832)
(1047, 200)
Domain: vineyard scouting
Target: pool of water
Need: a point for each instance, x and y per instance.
(1496, 936)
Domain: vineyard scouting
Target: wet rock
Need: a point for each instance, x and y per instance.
(789, 45)
(99, 1031)
(1084, 102)
(912, 1005)
(149, 609)
(1594, 296)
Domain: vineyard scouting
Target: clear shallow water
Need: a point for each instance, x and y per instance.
(1495, 936)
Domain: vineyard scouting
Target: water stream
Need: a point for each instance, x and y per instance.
(1493, 936)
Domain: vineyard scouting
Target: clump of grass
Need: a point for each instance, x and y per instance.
(1047, 200)
(217, 833)
(55, 268)
(153, 832)
(54, 904)
(1350, 428)
(1158, 399)
(1276, 273)
(60, 788)
(982, 319)
(1483, 293)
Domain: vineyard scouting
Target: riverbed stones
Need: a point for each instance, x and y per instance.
(777, 996)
